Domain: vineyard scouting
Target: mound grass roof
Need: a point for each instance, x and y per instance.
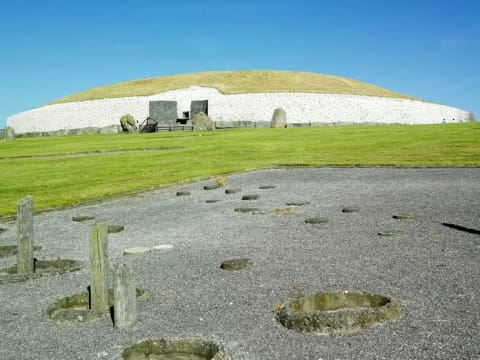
(236, 82)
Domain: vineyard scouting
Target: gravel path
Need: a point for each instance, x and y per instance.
(432, 269)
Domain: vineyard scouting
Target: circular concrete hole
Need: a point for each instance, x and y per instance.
(2, 230)
(211, 187)
(183, 193)
(279, 211)
(82, 218)
(392, 233)
(349, 210)
(115, 228)
(250, 197)
(405, 216)
(163, 247)
(182, 349)
(236, 264)
(298, 203)
(76, 308)
(267, 187)
(316, 220)
(135, 251)
(341, 313)
(10, 250)
(232, 191)
(246, 210)
(42, 268)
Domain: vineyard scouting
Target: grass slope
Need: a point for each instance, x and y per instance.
(231, 82)
(61, 171)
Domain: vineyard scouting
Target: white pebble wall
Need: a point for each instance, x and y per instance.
(299, 107)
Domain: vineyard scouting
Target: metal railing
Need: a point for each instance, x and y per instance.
(176, 127)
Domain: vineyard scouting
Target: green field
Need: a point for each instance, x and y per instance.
(61, 171)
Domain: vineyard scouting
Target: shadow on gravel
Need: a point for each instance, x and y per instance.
(462, 228)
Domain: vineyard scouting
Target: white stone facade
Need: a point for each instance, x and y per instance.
(256, 107)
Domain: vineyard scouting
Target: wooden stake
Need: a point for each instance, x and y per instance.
(25, 262)
(99, 268)
(124, 295)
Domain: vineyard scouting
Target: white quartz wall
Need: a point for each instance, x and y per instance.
(299, 107)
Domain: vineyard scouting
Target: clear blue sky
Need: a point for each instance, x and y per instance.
(424, 48)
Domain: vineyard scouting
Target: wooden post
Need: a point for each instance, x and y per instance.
(124, 295)
(99, 268)
(25, 262)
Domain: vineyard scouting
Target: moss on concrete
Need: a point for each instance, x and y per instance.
(341, 313)
(76, 308)
(42, 268)
(195, 349)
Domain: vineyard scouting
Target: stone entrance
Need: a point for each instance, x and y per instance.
(162, 111)
(197, 106)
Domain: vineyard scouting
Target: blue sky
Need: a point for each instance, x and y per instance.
(424, 48)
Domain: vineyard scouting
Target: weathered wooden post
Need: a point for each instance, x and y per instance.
(25, 262)
(99, 268)
(124, 295)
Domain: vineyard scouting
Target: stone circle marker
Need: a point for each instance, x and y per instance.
(279, 118)
(8, 133)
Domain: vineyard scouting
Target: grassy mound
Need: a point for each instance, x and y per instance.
(236, 82)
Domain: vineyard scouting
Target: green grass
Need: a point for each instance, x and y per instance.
(61, 171)
(232, 82)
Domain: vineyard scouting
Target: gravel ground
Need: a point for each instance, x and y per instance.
(432, 270)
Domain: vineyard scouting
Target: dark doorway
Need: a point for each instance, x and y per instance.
(197, 106)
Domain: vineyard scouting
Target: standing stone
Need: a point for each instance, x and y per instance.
(128, 124)
(99, 268)
(25, 262)
(201, 121)
(9, 133)
(124, 295)
(279, 119)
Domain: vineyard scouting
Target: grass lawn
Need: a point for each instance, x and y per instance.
(61, 171)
